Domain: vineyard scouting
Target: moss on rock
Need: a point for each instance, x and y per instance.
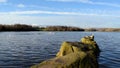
(72, 60)
(74, 55)
(61, 62)
(89, 40)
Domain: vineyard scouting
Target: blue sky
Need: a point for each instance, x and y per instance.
(80, 13)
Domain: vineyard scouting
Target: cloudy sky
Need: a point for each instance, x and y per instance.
(80, 13)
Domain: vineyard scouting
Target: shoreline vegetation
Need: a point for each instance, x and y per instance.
(25, 27)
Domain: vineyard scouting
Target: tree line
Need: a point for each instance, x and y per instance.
(62, 28)
(71, 28)
(24, 27)
(18, 27)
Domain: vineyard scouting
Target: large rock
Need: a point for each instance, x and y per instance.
(72, 47)
(74, 55)
(72, 60)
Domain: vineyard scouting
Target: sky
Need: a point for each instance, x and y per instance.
(80, 13)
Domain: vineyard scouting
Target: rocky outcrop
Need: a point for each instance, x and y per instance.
(74, 55)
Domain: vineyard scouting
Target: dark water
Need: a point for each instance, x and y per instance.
(23, 49)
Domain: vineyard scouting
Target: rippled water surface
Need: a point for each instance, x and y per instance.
(23, 49)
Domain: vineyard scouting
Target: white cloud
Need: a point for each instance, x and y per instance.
(38, 12)
(89, 2)
(104, 3)
(53, 13)
(71, 0)
(1, 1)
(20, 5)
(46, 12)
(80, 21)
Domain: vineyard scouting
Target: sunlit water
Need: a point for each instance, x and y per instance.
(23, 49)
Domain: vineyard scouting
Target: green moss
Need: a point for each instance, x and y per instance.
(70, 47)
(66, 48)
(72, 60)
(74, 55)
(88, 41)
(68, 61)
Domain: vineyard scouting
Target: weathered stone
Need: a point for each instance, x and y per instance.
(72, 60)
(74, 55)
(90, 41)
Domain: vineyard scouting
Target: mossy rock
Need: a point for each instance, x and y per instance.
(89, 40)
(72, 60)
(66, 48)
(71, 47)
(74, 55)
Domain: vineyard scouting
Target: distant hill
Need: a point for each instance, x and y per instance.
(103, 29)
(24, 27)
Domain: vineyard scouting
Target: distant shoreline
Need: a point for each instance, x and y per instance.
(26, 28)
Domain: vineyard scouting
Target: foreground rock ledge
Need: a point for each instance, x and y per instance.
(81, 54)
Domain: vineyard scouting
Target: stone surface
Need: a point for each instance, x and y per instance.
(74, 55)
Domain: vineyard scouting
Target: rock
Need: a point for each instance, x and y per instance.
(89, 40)
(68, 47)
(66, 61)
(74, 55)
(72, 60)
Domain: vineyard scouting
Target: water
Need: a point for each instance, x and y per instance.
(23, 49)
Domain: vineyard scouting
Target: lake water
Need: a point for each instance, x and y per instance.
(23, 49)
